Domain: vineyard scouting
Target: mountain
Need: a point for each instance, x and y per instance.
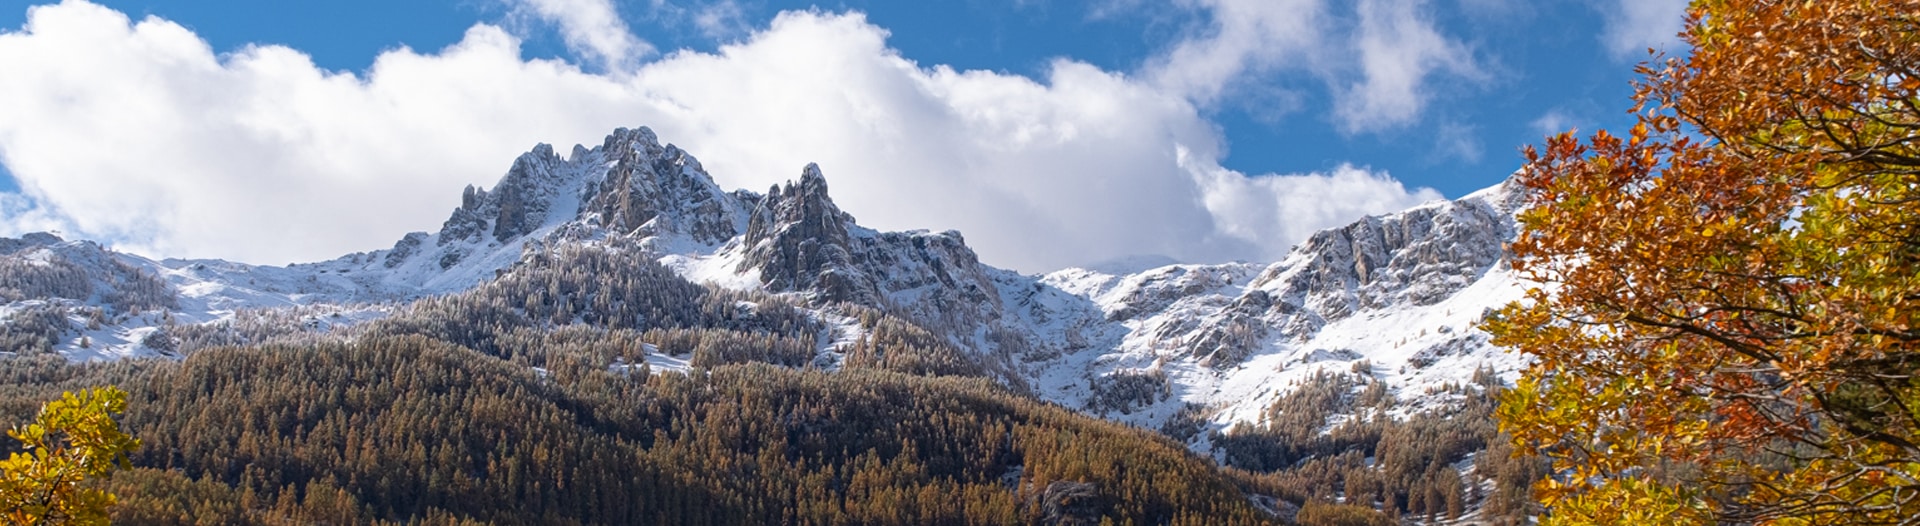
(1203, 352)
(1399, 292)
(1395, 296)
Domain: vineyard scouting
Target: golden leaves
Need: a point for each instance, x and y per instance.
(1750, 245)
(74, 438)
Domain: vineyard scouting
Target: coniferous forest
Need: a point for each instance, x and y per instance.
(405, 428)
(530, 399)
(1724, 333)
(527, 401)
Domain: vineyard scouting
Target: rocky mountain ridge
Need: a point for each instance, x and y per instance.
(1391, 298)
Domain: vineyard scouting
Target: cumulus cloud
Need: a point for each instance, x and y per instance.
(592, 28)
(1380, 60)
(1246, 37)
(139, 133)
(1633, 26)
(1554, 122)
(1295, 206)
(1400, 51)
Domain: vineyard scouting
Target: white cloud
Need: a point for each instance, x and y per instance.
(717, 20)
(24, 216)
(1632, 26)
(1399, 51)
(721, 20)
(1453, 140)
(139, 133)
(591, 28)
(1555, 122)
(1246, 38)
(1295, 206)
(1380, 60)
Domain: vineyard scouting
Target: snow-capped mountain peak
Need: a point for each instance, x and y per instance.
(1395, 297)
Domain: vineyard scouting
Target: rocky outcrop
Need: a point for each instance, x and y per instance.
(1416, 257)
(1155, 290)
(1218, 315)
(799, 241)
(1071, 503)
(654, 190)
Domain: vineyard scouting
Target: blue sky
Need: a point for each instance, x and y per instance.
(1404, 100)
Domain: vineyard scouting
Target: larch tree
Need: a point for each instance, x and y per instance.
(1725, 330)
(74, 439)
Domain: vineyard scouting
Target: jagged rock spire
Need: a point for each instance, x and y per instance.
(799, 240)
(629, 185)
(659, 188)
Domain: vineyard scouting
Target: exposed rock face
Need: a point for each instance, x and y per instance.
(934, 279)
(1227, 337)
(1154, 290)
(1416, 257)
(523, 198)
(410, 243)
(1070, 503)
(1396, 296)
(793, 239)
(799, 241)
(653, 190)
(631, 184)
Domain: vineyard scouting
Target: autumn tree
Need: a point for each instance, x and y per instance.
(74, 439)
(1726, 330)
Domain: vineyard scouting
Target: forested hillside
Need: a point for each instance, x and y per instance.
(527, 400)
(534, 398)
(408, 428)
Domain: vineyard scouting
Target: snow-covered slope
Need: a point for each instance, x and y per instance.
(631, 186)
(1395, 295)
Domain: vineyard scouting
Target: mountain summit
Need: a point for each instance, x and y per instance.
(1392, 299)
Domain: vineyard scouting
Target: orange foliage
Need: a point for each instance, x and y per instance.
(1726, 327)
